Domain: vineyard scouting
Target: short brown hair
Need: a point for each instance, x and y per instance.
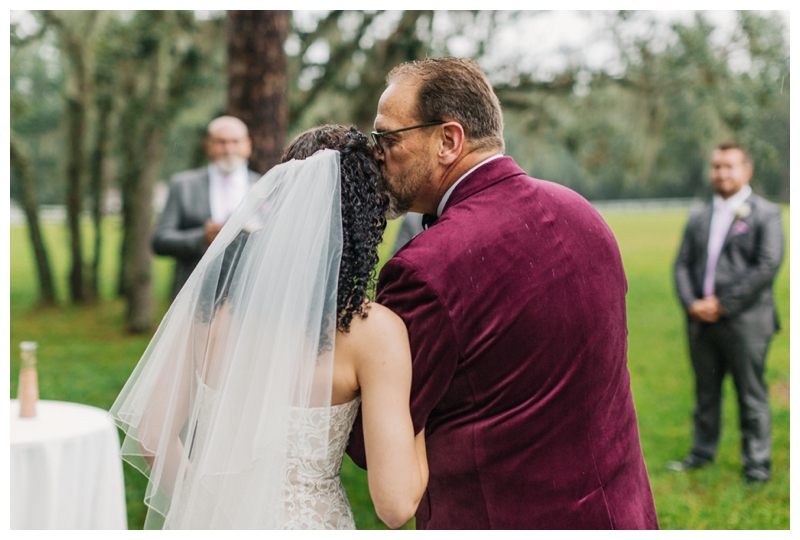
(730, 145)
(456, 89)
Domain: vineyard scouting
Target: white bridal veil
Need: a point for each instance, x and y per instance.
(248, 338)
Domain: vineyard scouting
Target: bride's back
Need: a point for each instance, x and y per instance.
(367, 341)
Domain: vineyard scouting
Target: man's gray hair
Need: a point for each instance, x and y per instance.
(455, 89)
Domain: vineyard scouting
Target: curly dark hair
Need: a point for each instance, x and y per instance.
(364, 208)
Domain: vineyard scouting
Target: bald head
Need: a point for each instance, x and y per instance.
(227, 123)
(228, 143)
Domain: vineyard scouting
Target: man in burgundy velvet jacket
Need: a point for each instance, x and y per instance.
(514, 301)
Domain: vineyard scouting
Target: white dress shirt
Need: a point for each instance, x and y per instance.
(450, 191)
(226, 191)
(721, 220)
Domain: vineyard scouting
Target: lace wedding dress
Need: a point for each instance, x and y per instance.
(266, 446)
(314, 494)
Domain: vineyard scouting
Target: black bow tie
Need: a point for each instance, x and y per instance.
(428, 220)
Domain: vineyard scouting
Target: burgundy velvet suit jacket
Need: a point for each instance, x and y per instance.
(515, 306)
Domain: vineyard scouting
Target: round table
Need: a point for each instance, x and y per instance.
(66, 472)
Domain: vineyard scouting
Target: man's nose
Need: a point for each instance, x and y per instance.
(378, 156)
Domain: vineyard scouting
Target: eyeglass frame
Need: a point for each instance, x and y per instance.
(376, 135)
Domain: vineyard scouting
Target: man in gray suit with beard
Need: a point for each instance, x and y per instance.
(200, 201)
(731, 251)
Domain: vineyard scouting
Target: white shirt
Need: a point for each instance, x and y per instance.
(226, 191)
(449, 192)
(721, 220)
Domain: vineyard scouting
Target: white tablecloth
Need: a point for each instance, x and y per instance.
(65, 469)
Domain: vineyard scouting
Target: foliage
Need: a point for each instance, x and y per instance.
(85, 357)
(126, 74)
(36, 113)
(158, 77)
(642, 129)
(338, 60)
(39, 76)
(648, 130)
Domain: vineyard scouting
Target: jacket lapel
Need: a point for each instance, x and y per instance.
(728, 237)
(203, 194)
(704, 228)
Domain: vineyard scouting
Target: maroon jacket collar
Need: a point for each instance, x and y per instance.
(483, 177)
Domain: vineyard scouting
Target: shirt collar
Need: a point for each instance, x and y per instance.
(449, 192)
(734, 200)
(215, 172)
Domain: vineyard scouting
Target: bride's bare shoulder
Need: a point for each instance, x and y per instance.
(382, 314)
(381, 325)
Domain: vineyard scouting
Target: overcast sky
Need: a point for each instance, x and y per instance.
(541, 40)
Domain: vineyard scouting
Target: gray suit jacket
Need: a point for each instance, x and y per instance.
(179, 232)
(747, 265)
(411, 227)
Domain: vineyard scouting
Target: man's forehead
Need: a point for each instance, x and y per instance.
(222, 135)
(727, 155)
(228, 136)
(396, 106)
(227, 130)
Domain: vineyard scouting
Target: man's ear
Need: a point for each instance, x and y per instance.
(452, 143)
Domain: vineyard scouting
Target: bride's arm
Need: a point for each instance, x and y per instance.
(397, 464)
(163, 419)
(169, 406)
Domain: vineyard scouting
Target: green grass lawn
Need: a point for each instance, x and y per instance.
(85, 356)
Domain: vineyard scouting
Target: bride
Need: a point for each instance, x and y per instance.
(241, 406)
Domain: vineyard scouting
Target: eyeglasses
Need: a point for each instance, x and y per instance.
(376, 136)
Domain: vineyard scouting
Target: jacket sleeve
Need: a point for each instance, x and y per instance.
(687, 255)
(434, 349)
(169, 238)
(760, 275)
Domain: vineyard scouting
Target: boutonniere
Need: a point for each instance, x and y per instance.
(743, 211)
(739, 227)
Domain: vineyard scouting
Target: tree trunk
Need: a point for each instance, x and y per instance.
(129, 177)
(76, 129)
(74, 29)
(137, 190)
(258, 81)
(98, 185)
(157, 87)
(47, 295)
(138, 255)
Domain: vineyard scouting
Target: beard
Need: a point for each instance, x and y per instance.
(404, 187)
(229, 163)
(396, 208)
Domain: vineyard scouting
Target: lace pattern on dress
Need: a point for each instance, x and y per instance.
(314, 495)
